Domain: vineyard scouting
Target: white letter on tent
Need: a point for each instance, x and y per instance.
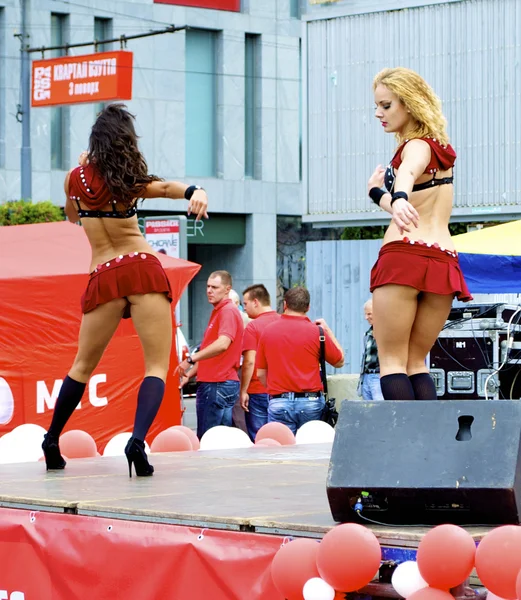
(42, 395)
(93, 392)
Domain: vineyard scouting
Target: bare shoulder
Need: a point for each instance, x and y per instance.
(416, 154)
(67, 178)
(416, 146)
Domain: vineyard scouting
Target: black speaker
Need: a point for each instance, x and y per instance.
(427, 463)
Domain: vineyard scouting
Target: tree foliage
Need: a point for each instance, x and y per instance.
(21, 212)
(376, 232)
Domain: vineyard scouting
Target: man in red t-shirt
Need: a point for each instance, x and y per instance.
(288, 362)
(254, 396)
(218, 359)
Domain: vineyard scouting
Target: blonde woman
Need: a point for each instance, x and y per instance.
(415, 277)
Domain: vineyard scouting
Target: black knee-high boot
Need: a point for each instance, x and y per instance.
(423, 386)
(149, 400)
(68, 399)
(396, 386)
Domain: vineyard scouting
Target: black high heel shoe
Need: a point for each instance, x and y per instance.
(135, 453)
(51, 451)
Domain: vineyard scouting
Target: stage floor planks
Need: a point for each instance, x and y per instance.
(268, 490)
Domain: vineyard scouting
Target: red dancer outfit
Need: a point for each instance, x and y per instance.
(124, 275)
(425, 267)
(414, 263)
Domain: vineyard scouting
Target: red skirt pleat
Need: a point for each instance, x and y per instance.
(134, 273)
(425, 268)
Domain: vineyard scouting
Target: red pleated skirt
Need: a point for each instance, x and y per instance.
(425, 268)
(122, 276)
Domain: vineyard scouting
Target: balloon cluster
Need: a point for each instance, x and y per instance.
(349, 555)
(347, 559)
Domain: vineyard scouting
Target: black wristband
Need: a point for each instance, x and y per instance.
(397, 195)
(189, 192)
(376, 194)
(190, 360)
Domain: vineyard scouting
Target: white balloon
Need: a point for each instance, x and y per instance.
(116, 446)
(406, 579)
(6, 402)
(28, 431)
(318, 589)
(4, 445)
(315, 432)
(17, 449)
(223, 438)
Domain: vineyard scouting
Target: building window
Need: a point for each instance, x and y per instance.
(252, 99)
(102, 31)
(60, 116)
(201, 103)
(300, 115)
(2, 87)
(294, 9)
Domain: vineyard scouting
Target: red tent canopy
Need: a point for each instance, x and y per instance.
(43, 273)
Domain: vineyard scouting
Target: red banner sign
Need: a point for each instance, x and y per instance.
(51, 556)
(89, 78)
(234, 5)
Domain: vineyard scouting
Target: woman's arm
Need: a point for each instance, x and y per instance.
(71, 212)
(416, 155)
(198, 203)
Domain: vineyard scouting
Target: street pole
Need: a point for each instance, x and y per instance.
(25, 154)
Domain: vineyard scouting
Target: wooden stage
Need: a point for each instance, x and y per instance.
(267, 490)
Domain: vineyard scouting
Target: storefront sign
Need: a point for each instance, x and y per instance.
(163, 235)
(89, 78)
(234, 5)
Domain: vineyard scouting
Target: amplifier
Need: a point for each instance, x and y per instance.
(465, 359)
(460, 363)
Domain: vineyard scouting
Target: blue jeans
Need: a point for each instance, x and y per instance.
(257, 414)
(214, 404)
(294, 412)
(371, 389)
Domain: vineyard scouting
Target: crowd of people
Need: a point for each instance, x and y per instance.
(279, 379)
(413, 283)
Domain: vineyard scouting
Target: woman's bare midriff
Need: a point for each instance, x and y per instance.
(434, 208)
(111, 237)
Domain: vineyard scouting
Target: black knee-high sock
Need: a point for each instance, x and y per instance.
(423, 386)
(68, 399)
(396, 386)
(149, 400)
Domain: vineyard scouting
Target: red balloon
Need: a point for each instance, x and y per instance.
(498, 560)
(192, 436)
(276, 431)
(430, 593)
(267, 442)
(349, 557)
(518, 587)
(78, 444)
(293, 565)
(171, 440)
(446, 556)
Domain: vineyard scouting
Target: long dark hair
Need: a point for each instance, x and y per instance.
(113, 149)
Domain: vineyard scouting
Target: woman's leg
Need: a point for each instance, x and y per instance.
(152, 317)
(394, 311)
(97, 328)
(431, 315)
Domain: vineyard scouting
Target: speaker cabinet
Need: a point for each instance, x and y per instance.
(426, 463)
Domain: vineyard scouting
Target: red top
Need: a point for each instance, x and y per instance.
(290, 350)
(88, 185)
(252, 335)
(224, 320)
(442, 157)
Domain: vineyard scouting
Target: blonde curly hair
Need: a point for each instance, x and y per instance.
(419, 99)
